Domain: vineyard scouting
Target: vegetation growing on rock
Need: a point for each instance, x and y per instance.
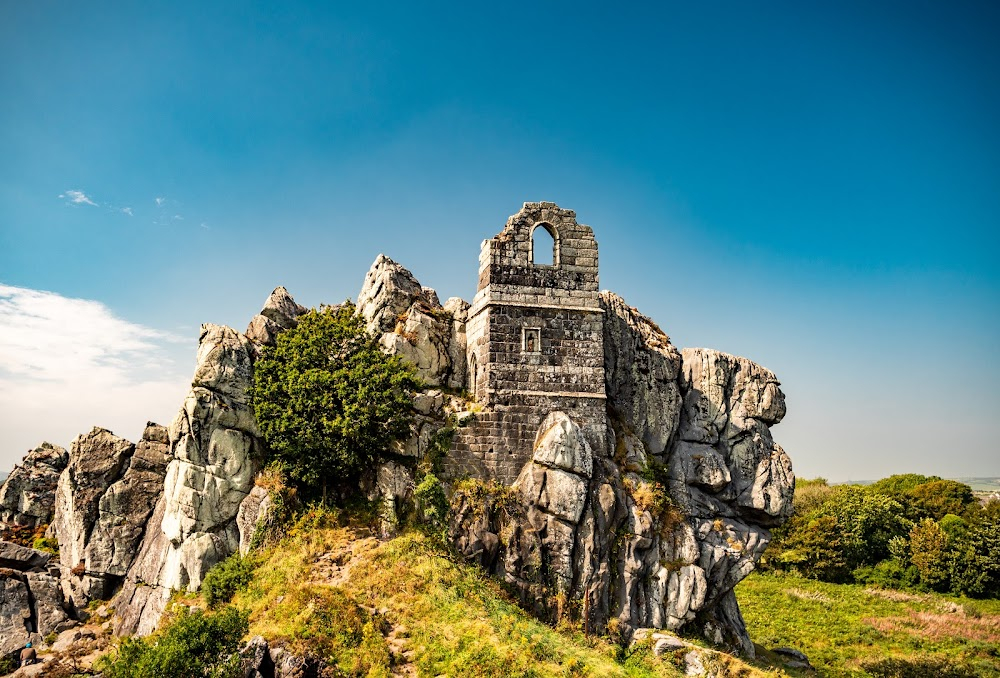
(328, 400)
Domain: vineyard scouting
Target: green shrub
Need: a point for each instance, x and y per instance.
(815, 550)
(328, 400)
(191, 645)
(975, 560)
(432, 504)
(928, 544)
(889, 574)
(48, 544)
(226, 578)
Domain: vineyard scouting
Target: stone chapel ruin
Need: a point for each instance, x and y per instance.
(595, 468)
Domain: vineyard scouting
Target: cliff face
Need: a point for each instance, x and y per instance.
(646, 512)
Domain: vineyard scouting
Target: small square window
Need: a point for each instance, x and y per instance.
(531, 341)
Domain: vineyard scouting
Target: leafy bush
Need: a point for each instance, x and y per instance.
(432, 504)
(941, 497)
(889, 574)
(328, 400)
(869, 520)
(814, 550)
(975, 560)
(226, 578)
(191, 645)
(928, 553)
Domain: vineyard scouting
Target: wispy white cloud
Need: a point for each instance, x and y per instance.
(127, 210)
(75, 197)
(69, 364)
(159, 201)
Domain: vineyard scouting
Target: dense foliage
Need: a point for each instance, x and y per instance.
(328, 401)
(226, 578)
(191, 645)
(905, 531)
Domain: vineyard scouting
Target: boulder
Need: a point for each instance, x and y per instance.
(31, 606)
(255, 659)
(252, 514)
(17, 557)
(553, 487)
(16, 614)
(27, 496)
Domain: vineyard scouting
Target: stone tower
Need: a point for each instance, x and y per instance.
(535, 340)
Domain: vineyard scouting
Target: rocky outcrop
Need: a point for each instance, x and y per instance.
(410, 322)
(27, 496)
(629, 489)
(659, 534)
(280, 312)
(31, 599)
(729, 477)
(103, 502)
(96, 461)
(214, 447)
(640, 371)
(125, 508)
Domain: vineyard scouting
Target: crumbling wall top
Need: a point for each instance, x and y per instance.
(510, 261)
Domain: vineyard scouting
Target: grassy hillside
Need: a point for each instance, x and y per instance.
(851, 630)
(405, 607)
(374, 607)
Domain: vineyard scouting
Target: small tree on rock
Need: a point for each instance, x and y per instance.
(328, 400)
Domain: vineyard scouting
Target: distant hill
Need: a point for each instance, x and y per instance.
(977, 484)
(981, 484)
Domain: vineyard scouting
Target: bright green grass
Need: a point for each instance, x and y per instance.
(842, 628)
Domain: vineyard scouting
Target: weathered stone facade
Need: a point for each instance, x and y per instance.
(535, 343)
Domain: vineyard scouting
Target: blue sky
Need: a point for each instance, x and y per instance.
(813, 185)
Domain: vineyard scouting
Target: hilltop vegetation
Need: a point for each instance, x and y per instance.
(327, 589)
(875, 580)
(908, 532)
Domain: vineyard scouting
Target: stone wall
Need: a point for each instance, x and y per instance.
(535, 343)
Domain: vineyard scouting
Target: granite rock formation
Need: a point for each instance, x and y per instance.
(27, 496)
(410, 322)
(97, 460)
(598, 470)
(31, 599)
(214, 447)
(280, 312)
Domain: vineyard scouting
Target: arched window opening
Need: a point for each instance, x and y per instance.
(473, 375)
(543, 246)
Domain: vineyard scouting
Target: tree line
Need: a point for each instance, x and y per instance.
(907, 531)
